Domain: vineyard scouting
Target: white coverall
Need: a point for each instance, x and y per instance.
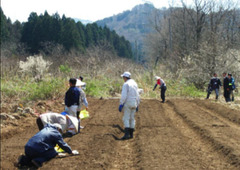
(130, 98)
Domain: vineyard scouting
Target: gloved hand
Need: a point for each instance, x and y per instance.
(62, 155)
(137, 109)
(75, 152)
(120, 107)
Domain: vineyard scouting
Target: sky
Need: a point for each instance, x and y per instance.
(92, 10)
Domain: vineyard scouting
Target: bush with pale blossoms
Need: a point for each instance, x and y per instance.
(35, 65)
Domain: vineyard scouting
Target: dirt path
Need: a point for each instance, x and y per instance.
(179, 134)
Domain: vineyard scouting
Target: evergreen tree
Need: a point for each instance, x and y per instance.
(5, 34)
(46, 28)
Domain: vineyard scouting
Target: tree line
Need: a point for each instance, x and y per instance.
(41, 30)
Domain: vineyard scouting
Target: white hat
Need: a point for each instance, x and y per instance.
(57, 125)
(80, 83)
(157, 78)
(126, 74)
(74, 121)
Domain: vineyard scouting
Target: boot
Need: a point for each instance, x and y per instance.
(216, 97)
(232, 98)
(131, 132)
(207, 96)
(126, 135)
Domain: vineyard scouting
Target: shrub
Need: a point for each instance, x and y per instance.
(35, 66)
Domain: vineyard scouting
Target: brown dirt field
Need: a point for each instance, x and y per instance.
(179, 134)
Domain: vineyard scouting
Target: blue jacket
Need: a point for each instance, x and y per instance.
(47, 139)
(72, 96)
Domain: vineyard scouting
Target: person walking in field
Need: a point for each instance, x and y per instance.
(226, 88)
(72, 98)
(162, 85)
(82, 100)
(231, 86)
(214, 85)
(40, 148)
(129, 102)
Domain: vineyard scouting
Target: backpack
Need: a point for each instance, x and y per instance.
(233, 83)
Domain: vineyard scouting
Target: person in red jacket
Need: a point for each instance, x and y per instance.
(163, 87)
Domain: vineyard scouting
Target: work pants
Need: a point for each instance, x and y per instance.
(216, 91)
(40, 157)
(231, 95)
(129, 114)
(227, 95)
(72, 110)
(163, 90)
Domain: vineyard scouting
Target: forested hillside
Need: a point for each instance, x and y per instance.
(134, 25)
(44, 31)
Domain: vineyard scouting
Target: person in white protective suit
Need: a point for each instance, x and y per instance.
(129, 102)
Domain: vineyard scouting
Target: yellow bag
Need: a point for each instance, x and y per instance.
(84, 114)
(58, 149)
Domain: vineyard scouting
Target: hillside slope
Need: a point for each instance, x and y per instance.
(133, 24)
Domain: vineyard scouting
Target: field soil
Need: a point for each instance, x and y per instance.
(179, 134)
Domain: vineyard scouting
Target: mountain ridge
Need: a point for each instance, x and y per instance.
(133, 24)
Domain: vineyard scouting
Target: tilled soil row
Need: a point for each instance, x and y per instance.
(165, 139)
(221, 131)
(178, 134)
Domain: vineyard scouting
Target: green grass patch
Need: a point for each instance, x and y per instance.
(181, 88)
(103, 87)
(30, 90)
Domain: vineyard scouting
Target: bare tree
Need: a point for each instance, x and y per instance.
(196, 40)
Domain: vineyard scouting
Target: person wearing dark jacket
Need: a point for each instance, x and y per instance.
(231, 86)
(40, 148)
(226, 88)
(214, 85)
(72, 98)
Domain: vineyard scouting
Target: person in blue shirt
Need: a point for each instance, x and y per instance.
(40, 148)
(72, 98)
(231, 86)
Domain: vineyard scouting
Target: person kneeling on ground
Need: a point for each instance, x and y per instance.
(40, 148)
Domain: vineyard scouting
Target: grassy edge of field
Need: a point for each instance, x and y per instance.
(27, 90)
